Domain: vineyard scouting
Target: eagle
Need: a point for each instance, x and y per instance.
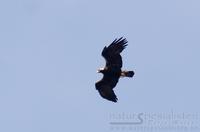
(112, 70)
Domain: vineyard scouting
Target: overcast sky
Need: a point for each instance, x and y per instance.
(50, 51)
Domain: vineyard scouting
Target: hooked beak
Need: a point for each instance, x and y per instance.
(99, 70)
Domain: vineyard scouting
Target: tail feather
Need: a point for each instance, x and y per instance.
(127, 73)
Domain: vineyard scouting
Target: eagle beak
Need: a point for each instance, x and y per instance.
(100, 70)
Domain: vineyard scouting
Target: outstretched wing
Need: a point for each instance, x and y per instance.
(105, 89)
(112, 52)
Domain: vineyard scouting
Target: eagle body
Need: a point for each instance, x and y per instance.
(112, 71)
(110, 75)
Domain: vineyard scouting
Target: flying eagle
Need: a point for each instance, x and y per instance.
(112, 71)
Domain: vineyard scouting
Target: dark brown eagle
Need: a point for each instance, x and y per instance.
(112, 71)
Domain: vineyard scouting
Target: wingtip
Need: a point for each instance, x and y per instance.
(115, 101)
(122, 40)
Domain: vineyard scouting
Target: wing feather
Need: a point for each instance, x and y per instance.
(106, 91)
(112, 52)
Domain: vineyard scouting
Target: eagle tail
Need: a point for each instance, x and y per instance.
(127, 73)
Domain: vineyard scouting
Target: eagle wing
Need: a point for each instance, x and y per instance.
(112, 53)
(105, 88)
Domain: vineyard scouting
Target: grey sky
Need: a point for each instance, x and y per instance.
(50, 51)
